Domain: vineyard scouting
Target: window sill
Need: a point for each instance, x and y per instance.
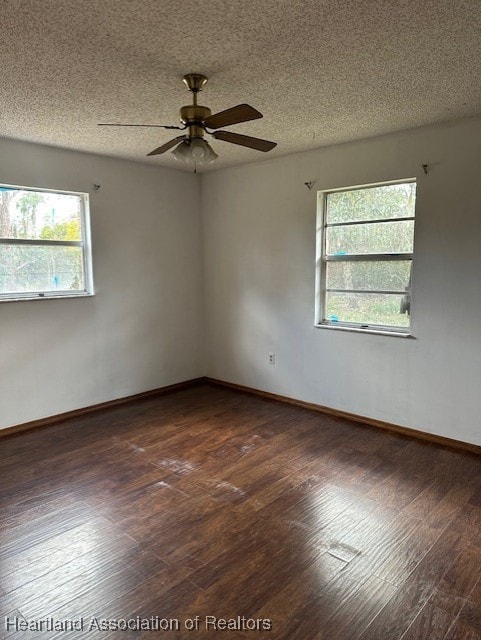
(47, 296)
(379, 332)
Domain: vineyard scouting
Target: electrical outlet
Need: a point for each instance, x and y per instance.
(271, 358)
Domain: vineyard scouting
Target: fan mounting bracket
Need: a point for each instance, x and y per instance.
(195, 81)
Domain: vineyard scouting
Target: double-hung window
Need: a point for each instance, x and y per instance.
(44, 244)
(364, 257)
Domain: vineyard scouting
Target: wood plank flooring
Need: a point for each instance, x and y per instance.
(259, 518)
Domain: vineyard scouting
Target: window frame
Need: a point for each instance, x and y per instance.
(322, 259)
(84, 243)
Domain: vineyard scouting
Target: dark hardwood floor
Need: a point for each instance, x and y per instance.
(216, 504)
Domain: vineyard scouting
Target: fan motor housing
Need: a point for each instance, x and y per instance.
(194, 114)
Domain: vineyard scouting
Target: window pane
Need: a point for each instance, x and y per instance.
(40, 215)
(25, 269)
(373, 203)
(366, 309)
(385, 276)
(381, 237)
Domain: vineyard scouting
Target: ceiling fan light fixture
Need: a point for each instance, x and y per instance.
(195, 151)
(192, 148)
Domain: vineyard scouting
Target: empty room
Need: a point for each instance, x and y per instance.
(240, 346)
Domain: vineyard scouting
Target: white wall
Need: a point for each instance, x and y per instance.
(259, 260)
(142, 329)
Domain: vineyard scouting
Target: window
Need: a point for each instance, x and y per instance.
(364, 257)
(44, 244)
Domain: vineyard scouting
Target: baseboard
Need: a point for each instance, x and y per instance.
(75, 413)
(405, 431)
(267, 395)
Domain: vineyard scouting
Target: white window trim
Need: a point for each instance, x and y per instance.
(85, 243)
(321, 262)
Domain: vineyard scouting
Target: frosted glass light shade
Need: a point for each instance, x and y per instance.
(195, 151)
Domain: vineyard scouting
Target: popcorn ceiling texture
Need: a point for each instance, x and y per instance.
(321, 71)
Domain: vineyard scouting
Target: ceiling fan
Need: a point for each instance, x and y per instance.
(198, 120)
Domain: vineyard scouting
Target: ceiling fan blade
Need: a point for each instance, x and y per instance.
(245, 141)
(167, 146)
(119, 124)
(234, 115)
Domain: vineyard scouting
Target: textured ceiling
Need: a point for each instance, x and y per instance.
(321, 71)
